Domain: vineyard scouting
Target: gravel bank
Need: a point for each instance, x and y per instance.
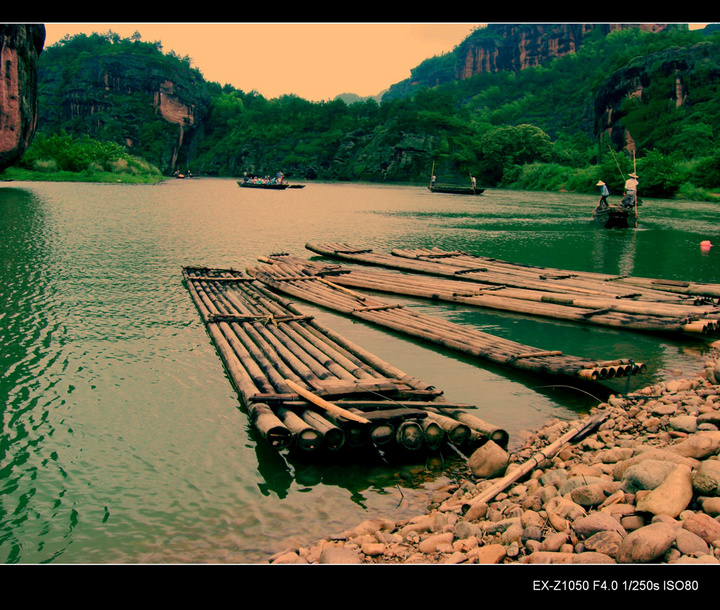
(641, 487)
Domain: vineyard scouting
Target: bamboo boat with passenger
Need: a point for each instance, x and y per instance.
(310, 391)
(454, 189)
(271, 186)
(301, 282)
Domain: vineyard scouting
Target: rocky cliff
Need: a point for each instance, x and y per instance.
(649, 87)
(517, 46)
(123, 91)
(20, 48)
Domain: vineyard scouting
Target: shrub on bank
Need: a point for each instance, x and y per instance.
(64, 158)
(660, 177)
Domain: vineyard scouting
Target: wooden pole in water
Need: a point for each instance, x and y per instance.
(269, 425)
(636, 195)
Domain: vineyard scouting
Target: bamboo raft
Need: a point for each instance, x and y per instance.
(300, 281)
(652, 288)
(586, 298)
(587, 309)
(309, 390)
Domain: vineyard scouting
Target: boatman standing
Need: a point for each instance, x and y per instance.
(604, 193)
(631, 185)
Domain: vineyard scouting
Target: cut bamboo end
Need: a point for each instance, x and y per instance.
(434, 434)
(410, 435)
(589, 374)
(703, 327)
(382, 434)
(269, 426)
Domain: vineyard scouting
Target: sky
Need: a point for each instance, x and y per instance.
(315, 61)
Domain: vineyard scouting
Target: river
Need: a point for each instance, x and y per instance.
(122, 439)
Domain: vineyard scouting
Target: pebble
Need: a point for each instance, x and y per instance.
(643, 488)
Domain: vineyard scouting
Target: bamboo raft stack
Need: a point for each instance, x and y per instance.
(310, 390)
(653, 288)
(300, 281)
(586, 298)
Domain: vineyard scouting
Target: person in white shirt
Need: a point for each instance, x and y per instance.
(631, 186)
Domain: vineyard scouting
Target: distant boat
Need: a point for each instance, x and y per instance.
(263, 185)
(276, 186)
(454, 189)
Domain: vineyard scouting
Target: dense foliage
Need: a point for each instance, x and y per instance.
(63, 157)
(530, 129)
(533, 129)
(105, 87)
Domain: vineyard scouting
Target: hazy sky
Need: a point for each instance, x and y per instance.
(315, 61)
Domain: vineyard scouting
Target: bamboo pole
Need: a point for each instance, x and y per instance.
(307, 438)
(457, 432)
(583, 427)
(269, 425)
(409, 434)
(434, 433)
(490, 431)
(324, 404)
(332, 435)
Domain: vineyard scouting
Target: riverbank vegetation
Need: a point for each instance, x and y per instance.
(539, 128)
(64, 158)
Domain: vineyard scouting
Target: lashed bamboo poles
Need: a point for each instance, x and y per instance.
(475, 269)
(585, 300)
(601, 311)
(281, 361)
(295, 280)
(471, 268)
(678, 287)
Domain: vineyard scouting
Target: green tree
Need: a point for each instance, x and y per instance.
(504, 147)
(659, 176)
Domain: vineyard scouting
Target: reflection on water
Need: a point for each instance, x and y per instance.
(121, 438)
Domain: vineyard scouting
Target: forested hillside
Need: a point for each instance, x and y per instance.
(545, 127)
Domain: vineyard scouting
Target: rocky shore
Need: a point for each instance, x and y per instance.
(640, 487)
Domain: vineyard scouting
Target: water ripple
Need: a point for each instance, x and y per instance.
(121, 438)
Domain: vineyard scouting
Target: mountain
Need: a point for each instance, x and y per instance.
(122, 90)
(510, 47)
(521, 105)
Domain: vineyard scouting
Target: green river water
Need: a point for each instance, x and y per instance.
(122, 439)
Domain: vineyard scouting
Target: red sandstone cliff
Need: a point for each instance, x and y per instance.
(20, 48)
(516, 46)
